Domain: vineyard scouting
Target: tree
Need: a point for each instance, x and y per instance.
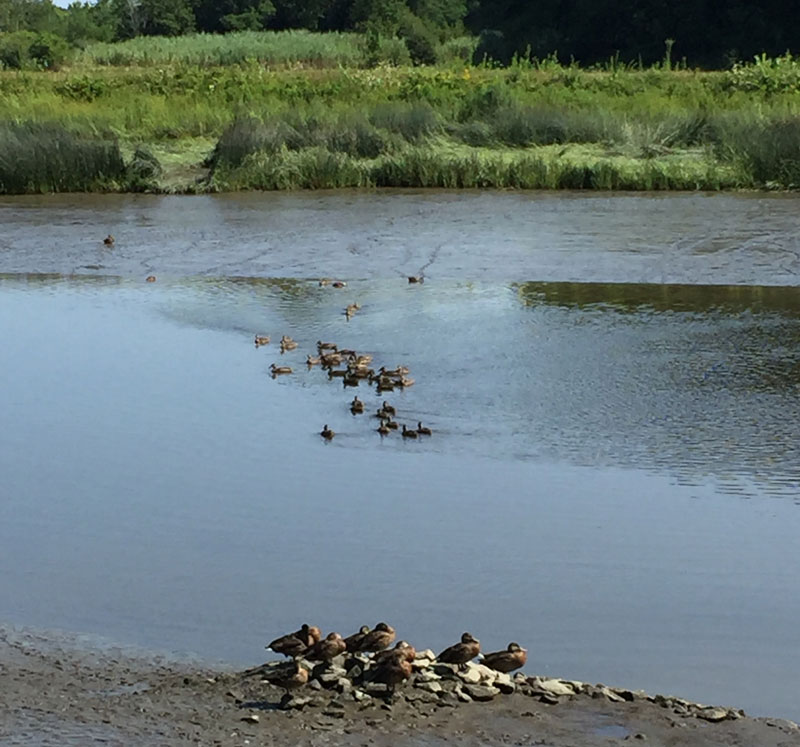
(233, 15)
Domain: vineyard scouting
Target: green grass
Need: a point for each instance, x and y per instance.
(545, 125)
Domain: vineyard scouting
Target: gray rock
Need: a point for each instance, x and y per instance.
(551, 686)
(431, 687)
(462, 695)
(481, 693)
(296, 702)
(251, 718)
(712, 714)
(470, 676)
(360, 696)
(426, 676)
(421, 696)
(344, 685)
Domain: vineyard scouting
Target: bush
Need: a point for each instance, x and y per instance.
(419, 39)
(15, 49)
(143, 171)
(413, 121)
(49, 51)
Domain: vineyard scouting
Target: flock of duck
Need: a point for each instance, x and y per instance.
(390, 666)
(353, 368)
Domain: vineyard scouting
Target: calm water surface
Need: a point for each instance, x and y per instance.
(614, 477)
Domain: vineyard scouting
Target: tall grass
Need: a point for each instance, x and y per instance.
(48, 158)
(298, 47)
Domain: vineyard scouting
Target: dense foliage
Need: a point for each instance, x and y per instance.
(706, 33)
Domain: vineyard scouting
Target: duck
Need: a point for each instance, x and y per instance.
(416, 279)
(313, 360)
(324, 281)
(462, 652)
(291, 678)
(346, 352)
(409, 434)
(336, 373)
(381, 637)
(339, 284)
(262, 340)
(356, 406)
(330, 359)
(382, 414)
(383, 429)
(328, 648)
(392, 673)
(352, 642)
(362, 360)
(350, 380)
(295, 644)
(512, 658)
(290, 345)
(386, 407)
(327, 433)
(423, 430)
(109, 240)
(404, 381)
(286, 338)
(277, 370)
(325, 345)
(150, 279)
(385, 385)
(391, 424)
(402, 650)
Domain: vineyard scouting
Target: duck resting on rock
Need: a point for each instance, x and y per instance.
(512, 658)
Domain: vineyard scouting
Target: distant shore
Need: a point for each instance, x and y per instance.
(181, 127)
(54, 688)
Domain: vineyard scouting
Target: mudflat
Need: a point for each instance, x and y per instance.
(61, 693)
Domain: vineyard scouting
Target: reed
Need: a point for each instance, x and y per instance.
(40, 157)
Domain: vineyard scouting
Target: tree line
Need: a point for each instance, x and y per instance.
(707, 33)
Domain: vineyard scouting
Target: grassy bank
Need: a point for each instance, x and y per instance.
(248, 125)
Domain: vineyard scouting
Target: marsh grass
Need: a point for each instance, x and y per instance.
(39, 157)
(280, 48)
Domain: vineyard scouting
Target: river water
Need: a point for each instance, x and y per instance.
(614, 388)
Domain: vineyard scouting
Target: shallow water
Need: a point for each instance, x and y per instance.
(613, 478)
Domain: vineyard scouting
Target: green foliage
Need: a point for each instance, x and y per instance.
(419, 39)
(15, 49)
(49, 51)
(413, 121)
(43, 157)
(766, 75)
(166, 17)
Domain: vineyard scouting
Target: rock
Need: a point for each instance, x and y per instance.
(333, 713)
(608, 693)
(548, 698)
(296, 702)
(355, 671)
(445, 670)
(520, 679)
(422, 663)
(470, 676)
(504, 684)
(462, 695)
(481, 693)
(315, 685)
(421, 696)
(251, 718)
(344, 685)
(431, 687)
(360, 696)
(712, 714)
(551, 686)
(488, 675)
(427, 676)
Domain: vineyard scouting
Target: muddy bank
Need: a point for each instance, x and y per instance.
(57, 692)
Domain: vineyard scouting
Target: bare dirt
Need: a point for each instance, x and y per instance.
(59, 693)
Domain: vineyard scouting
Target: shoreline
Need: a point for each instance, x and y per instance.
(58, 687)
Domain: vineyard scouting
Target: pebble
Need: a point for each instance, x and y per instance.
(551, 686)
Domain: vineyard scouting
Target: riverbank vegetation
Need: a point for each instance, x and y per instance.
(300, 109)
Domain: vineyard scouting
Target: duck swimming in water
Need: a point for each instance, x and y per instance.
(262, 340)
(327, 433)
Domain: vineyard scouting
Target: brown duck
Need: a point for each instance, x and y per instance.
(290, 678)
(409, 434)
(356, 406)
(109, 240)
(352, 642)
(327, 433)
(512, 658)
(423, 430)
(380, 638)
(294, 644)
(328, 648)
(392, 672)
(402, 651)
(262, 340)
(462, 652)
